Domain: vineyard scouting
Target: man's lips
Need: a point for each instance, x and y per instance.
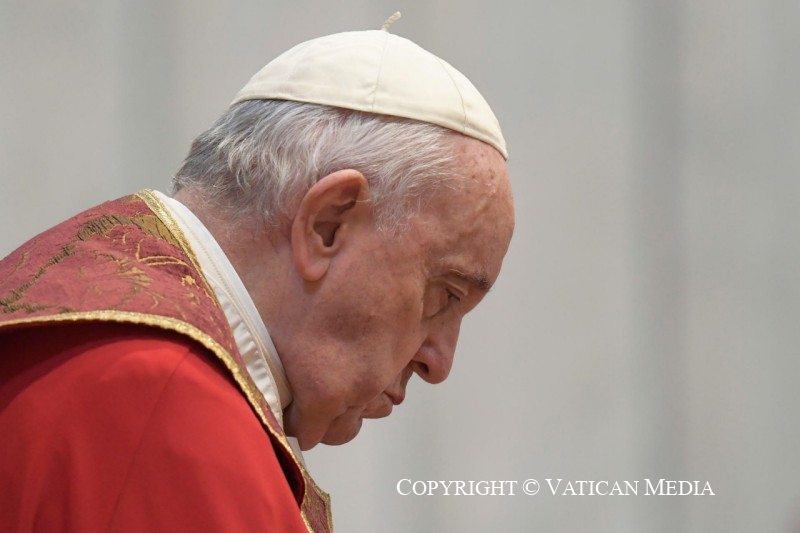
(396, 397)
(381, 408)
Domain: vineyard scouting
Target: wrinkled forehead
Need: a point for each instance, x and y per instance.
(482, 178)
(469, 222)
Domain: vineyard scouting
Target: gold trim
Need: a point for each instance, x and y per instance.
(305, 520)
(167, 323)
(149, 197)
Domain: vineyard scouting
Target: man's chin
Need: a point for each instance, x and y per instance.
(342, 429)
(342, 432)
(345, 428)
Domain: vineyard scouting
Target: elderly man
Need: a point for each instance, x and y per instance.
(353, 201)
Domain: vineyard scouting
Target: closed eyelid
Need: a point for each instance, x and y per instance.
(477, 281)
(442, 296)
(455, 293)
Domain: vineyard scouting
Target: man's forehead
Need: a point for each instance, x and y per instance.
(463, 228)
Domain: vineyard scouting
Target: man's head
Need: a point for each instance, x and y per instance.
(363, 236)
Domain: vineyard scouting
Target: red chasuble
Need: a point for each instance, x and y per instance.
(124, 404)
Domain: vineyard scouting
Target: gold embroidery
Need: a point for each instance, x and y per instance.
(9, 304)
(110, 266)
(176, 234)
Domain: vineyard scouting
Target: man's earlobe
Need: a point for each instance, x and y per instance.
(328, 212)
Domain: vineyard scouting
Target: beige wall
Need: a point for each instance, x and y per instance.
(645, 325)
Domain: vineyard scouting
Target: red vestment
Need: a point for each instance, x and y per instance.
(124, 405)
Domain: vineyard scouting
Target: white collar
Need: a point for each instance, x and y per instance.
(249, 331)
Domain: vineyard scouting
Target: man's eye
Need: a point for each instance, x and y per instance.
(441, 299)
(452, 297)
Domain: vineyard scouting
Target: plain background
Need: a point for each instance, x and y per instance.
(646, 322)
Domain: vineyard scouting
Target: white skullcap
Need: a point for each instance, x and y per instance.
(377, 72)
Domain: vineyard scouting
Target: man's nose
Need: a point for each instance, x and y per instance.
(434, 359)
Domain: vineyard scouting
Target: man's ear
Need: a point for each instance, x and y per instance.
(327, 213)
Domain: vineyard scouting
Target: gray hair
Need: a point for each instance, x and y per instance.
(261, 156)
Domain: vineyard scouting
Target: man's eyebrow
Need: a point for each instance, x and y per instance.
(479, 281)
